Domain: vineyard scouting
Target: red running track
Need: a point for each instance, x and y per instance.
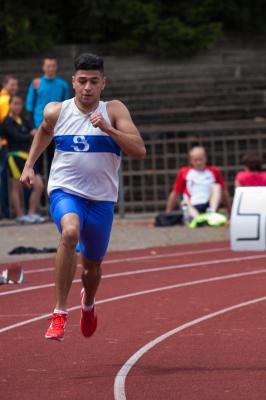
(175, 323)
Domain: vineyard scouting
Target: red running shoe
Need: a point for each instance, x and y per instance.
(88, 319)
(57, 328)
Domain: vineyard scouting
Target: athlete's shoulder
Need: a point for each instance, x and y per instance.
(116, 109)
(53, 107)
(52, 111)
(116, 105)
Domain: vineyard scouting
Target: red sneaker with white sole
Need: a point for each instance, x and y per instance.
(56, 329)
(88, 319)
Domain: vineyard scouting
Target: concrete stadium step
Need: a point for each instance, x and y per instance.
(220, 127)
(178, 115)
(126, 88)
(124, 73)
(127, 77)
(186, 71)
(133, 68)
(162, 87)
(175, 100)
(172, 91)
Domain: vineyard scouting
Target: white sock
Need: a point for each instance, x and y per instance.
(58, 311)
(86, 307)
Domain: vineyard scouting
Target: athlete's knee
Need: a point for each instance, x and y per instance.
(92, 269)
(70, 235)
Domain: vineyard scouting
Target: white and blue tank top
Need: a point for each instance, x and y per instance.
(86, 159)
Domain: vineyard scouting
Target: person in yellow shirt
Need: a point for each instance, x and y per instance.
(9, 89)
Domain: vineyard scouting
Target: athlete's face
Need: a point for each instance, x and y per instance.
(198, 159)
(88, 86)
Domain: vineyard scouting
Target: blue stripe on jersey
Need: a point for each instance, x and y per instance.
(87, 143)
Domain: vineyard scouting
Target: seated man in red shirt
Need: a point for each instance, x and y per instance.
(253, 174)
(199, 186)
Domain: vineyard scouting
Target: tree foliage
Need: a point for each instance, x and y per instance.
(165, 28)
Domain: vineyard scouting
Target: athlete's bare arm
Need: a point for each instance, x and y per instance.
(41, 141)
(123, 131)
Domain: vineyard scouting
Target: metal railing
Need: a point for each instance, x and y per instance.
(146, 184)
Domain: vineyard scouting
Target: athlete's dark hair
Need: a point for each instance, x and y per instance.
(252, 161)
(88, 61)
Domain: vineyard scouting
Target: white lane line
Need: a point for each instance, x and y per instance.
(120, 379)
(18, 315)
(200, 264)
(140, 293)
(27, 289)
(141, 258)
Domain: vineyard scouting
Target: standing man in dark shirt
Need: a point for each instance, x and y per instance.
(19, 133)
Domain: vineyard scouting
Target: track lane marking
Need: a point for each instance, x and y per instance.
(200, 264)
(141, 258)
(140, 293)
(120, 379)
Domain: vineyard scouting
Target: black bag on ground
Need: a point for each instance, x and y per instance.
(169, 219)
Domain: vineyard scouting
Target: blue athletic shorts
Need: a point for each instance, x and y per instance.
(96, 218)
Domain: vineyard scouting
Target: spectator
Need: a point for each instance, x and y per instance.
(253, 174)
(19, 132)
(199, 186)
(42, 91)
(9, 88)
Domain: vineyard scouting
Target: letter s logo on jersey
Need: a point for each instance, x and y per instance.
(82, 144)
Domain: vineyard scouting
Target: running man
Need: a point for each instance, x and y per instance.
(83, 183)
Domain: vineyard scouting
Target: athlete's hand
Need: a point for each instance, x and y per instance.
(27, 176)
(98, 121)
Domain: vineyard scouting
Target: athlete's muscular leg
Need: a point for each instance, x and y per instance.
(66, 260)
(91, 277)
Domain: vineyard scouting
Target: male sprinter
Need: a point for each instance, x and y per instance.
(83, 183)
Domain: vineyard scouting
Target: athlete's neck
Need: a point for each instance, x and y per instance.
(86, 110)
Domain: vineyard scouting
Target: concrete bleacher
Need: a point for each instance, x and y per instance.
(217, 100)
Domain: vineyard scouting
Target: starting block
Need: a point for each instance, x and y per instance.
(248, 219)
